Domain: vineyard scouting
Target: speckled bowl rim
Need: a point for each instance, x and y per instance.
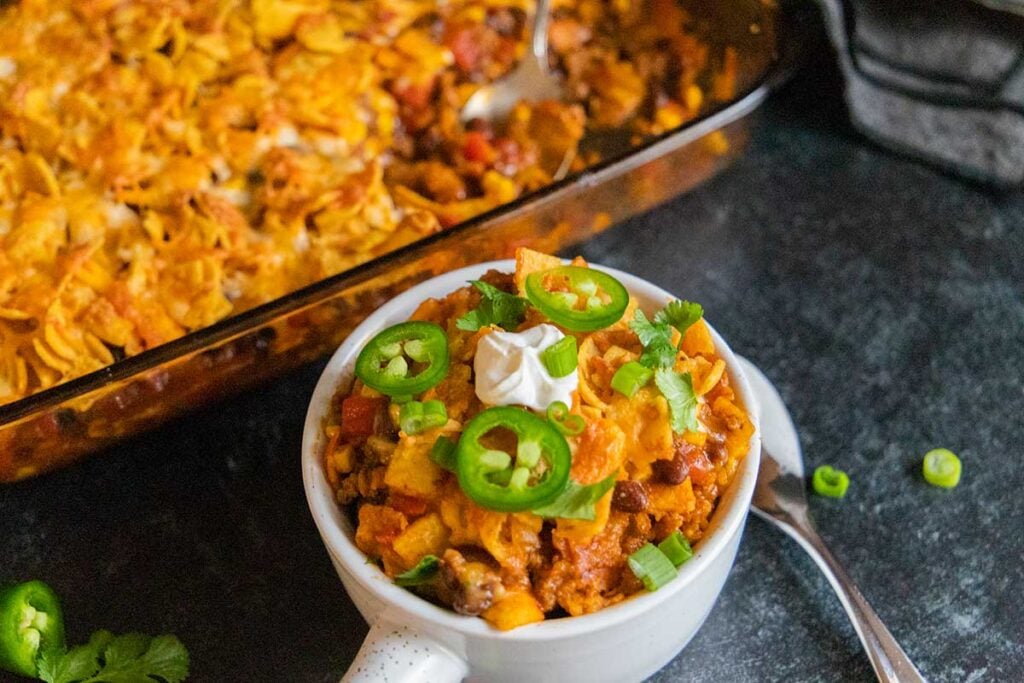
(338, 533)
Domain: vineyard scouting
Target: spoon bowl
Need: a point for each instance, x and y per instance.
(532, 80)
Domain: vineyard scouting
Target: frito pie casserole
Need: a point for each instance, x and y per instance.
(535, 445)
(166, 163)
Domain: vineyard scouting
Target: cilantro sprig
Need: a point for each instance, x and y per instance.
(496, 308)
(660, 355)
(656, 335)
(677, 388)
(130, 658)
(680, 314)
(656, 339)
(578, 501)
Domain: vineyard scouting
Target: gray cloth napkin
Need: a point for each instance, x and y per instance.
(939, 79)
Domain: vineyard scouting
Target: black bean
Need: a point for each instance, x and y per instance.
(470, 586)
(674, 471)
(629, 496)
(715, 448)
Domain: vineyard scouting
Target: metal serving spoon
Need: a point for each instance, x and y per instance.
(532, 80)
(779, 498)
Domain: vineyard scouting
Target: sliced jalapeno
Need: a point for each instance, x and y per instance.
(580, 299)
(494, 479)
(404, 359)
(31, 623)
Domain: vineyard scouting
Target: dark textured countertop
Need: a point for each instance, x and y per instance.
(884, 299)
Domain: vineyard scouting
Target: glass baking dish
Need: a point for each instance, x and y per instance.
(54, 427)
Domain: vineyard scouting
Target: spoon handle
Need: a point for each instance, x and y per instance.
(539, 32)
(890, 662)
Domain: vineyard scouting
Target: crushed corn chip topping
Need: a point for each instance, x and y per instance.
(166, 163)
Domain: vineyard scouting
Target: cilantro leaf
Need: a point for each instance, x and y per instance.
(647, 331)
(656, 339)
(123, 650)
(471, 321)
(80, 663)
(677, 388)
(166, 658)
(131, 658)
(425, 570)
(660, 354)
(496, 308)
(578, 501)
(680, 314)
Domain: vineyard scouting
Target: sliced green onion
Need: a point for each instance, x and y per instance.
(652, 567)
(676, 548)
(416, 417)
(630, 378)
(435, 407)
(830, 482)
(941, 468)
(442, 453)
(564, 421)
(424, 571)
(560, 358)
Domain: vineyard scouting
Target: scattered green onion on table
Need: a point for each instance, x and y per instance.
(941, 467)
(830, 482)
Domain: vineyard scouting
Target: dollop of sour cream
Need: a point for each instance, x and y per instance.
(509, 370)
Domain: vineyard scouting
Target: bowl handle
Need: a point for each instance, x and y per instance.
(395, 652)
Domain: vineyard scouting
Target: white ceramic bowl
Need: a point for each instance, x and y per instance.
(412, 639)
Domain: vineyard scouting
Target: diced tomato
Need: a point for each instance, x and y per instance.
(466, 48)
(416, 95)
(701, 470)
(359, 415)
(476, 148)
(410, 506)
